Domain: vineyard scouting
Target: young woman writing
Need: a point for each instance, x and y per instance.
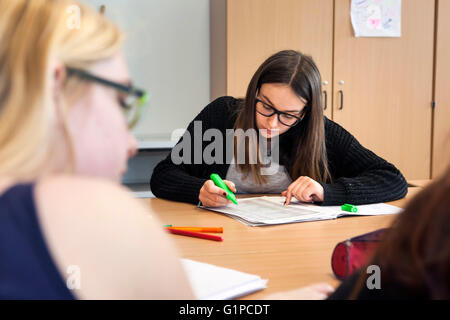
(319, 161)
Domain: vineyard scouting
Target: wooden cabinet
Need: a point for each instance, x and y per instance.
(255, 29)
(441, 116)
(388, 86)
(385, 84)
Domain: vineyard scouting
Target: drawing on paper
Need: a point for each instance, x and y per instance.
(376, 18)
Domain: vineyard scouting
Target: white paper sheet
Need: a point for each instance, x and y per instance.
(211, 282)
(376, 18)
(261, 211)
(375, 209)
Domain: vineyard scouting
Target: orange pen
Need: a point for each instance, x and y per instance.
(200, 229)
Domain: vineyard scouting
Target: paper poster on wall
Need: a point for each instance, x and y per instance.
(376, 18)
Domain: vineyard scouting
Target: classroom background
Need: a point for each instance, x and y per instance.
(388, 90)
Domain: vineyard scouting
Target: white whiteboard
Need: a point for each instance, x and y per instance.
(167, 51)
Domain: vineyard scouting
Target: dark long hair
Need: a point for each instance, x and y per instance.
(415, 252)
(300, 73)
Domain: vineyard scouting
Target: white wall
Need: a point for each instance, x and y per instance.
(167, 51)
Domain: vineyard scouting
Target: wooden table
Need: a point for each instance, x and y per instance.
(290, 255)
(419, 183)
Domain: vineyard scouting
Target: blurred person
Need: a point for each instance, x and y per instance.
(65, 98)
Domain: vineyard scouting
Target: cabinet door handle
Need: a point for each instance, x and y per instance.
(342, 100)
(325, 101)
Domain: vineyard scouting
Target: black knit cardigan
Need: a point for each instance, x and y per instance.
(358, 175)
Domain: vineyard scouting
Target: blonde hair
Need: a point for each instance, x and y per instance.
(33, 34)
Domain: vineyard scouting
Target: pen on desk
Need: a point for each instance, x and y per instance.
(200, 229)
(194, 234)
(349, 208)
(221, 184)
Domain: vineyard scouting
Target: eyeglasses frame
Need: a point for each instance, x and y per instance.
(142, 95)
(278, 113)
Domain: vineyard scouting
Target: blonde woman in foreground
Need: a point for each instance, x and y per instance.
(64, 143)
(67, 228)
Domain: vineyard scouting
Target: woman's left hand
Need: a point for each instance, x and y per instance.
(304, 189)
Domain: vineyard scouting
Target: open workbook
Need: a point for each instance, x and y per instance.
(261, 211)
(211, 282)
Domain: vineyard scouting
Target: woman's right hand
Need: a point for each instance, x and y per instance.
(213, 196)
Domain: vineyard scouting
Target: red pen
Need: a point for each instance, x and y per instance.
(194, 234)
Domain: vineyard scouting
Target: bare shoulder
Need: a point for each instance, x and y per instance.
(87, 202)
(74, 189)
(109, 236)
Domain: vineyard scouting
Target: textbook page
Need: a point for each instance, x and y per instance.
(375, 209)
(210, 282)
(264, 210)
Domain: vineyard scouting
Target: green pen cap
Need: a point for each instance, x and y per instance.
(221, 184)
(349, 208)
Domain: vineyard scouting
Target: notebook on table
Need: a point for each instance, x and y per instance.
(210, 282)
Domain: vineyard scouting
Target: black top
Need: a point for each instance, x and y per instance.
(359, 176)
(27, 268)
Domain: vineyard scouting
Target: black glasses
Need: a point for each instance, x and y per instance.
(132, 101)
(284, 118)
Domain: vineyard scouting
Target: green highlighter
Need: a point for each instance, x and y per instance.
(349, 208)
(221, 184)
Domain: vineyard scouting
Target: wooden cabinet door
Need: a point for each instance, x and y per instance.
(387, 87)
(258, 28)
(441, 129)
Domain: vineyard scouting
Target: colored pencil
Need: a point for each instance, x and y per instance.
(194, 234)
(200, 229)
